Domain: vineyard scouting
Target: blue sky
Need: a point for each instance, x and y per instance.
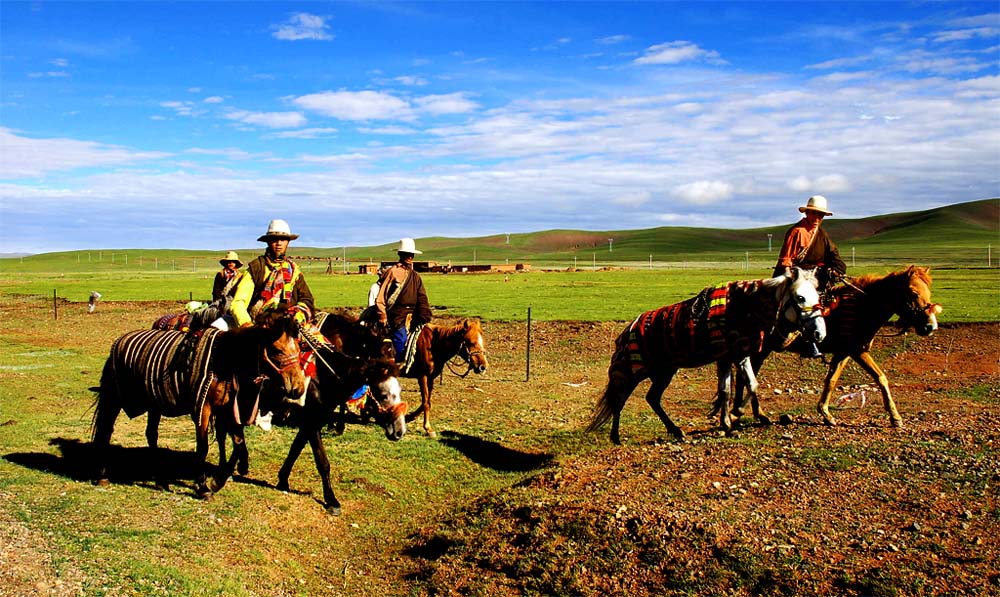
(192, 124)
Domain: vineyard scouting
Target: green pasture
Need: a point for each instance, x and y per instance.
(968, 294)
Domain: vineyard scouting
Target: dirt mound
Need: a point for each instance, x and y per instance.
(800, 508)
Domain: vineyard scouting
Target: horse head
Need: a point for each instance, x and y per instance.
(917, 310)
(800, 304)
(473, 348)
(279, 351)
(382, 377)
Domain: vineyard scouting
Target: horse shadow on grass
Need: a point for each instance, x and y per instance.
(492, 455)
(126, 466)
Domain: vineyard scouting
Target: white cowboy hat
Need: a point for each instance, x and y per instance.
(816, 203)
(406, 245)
(277, 229)
(231, 256)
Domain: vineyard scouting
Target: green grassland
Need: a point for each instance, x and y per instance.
(573, 275)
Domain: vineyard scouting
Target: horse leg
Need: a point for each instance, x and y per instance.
(837, 364)
(749, 376)
(299, 442)
(202, 486)
(152, 440)
(723, 389)
(654, 397)
(323, 468)
(426, 387)
(238, 457)
(742, 398)
(105, 414)
(868, 364)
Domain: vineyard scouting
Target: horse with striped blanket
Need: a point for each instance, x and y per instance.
(722, 325)
(856, 312)
(202, 375)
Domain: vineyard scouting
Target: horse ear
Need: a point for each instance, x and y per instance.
(466, 325)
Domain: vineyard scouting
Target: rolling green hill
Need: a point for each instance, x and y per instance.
(963, 233)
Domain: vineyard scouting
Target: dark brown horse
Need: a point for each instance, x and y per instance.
(856, 312)
(436, 346)
(721, 325)
(206, 375)
(338, 375)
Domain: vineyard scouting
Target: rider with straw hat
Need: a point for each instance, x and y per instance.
(808, 246)
(401, 301)
(227, 277)
(272, 280)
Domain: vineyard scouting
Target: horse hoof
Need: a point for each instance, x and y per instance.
(431, 433)
(831, 422)
(339, 429)
(282, 486)
(102, 483)
(732, 433)
(897, 423)
(764, 421)
(333, 510)
(204, 493)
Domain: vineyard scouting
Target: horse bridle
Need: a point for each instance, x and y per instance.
(466, 353)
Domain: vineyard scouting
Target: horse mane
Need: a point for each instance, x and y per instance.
(911, 271)
(452, 330)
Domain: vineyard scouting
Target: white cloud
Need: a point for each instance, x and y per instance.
(215, 99)
(633, 199)
(612, 40)
(180, 108)
(60, 62)
(356, 105)
(411, 81)
(676, 52)
(302, 25)
(451, 103)
(829, 183)
(51, 73)
(25, 157)
(703, 192)
(312, 133)
(275, 120)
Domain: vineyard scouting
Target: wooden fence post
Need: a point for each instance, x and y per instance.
(527, 360)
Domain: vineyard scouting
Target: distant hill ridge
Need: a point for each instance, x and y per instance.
(972, 224)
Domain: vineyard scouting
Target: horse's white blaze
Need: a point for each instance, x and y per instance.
(479, 341)
(392, 390)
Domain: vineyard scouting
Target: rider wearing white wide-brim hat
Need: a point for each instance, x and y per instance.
(277, 229)
(816, 203)
(808, 246)
(406, 245)
(401, 301)
(272, 280)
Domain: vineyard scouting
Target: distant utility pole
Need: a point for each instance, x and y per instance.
(508, 238)
(769, 242)
(610, 240)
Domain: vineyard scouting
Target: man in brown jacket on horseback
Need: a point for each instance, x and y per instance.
(402, 301)
(808, 246)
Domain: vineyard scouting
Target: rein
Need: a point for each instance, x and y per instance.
(466, 355)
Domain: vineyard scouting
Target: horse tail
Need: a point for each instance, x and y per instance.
(621, 382)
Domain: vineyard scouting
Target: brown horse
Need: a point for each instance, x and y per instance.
(721, 325)
(205, 375)
(856, 313)
(436, 346)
